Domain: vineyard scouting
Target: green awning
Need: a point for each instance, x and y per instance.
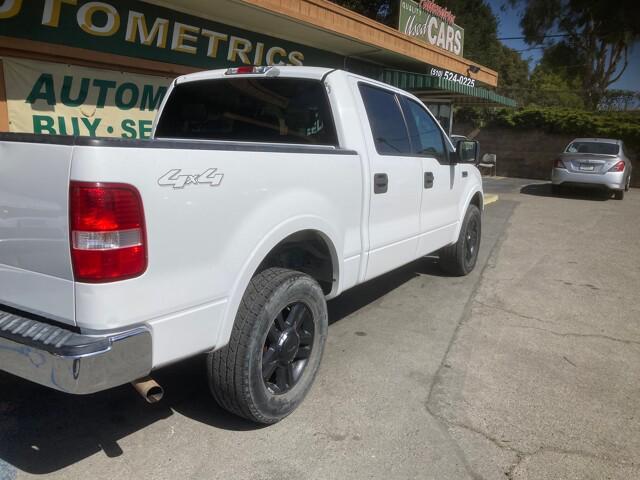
(428, 87)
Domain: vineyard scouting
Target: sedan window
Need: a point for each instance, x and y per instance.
(594, 147)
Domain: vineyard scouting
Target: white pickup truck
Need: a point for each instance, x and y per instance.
(264, 192)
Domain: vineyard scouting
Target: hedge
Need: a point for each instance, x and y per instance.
(622, 125)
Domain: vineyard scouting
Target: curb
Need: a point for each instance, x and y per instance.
(490, 198)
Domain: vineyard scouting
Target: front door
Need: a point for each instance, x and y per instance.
(441, 179)
(395, 183)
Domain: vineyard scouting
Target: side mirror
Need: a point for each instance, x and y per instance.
(467, 151)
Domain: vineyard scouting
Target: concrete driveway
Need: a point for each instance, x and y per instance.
(527, 368)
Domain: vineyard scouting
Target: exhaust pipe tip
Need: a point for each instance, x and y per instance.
(148, 389)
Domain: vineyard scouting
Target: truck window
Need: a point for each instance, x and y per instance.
(272, 110)
(385, 118)
(426, 137)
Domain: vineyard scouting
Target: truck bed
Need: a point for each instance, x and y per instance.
(261, 192)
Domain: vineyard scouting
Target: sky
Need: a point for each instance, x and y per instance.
(509, 26)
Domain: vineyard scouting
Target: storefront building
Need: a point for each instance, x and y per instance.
(101, 68)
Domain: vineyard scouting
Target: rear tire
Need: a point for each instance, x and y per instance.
(556, 190)
(618, 194)
(460, 258)
(627, 185)
(281, 327)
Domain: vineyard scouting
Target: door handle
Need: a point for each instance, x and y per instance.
(428, 179)
(465, 174)
(380, 183)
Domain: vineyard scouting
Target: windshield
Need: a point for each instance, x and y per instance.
(593, 147)
(272, 110)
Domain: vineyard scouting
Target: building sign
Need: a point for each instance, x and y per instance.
(139, 29)
(58, 99)
(431, 23)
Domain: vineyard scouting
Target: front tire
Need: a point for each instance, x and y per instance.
(460, 258)
(276, 345)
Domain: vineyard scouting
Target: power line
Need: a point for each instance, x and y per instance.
(529, 49)
(577, 91)
(542, 90)
(544, 36)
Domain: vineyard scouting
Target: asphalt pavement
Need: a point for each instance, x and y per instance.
(527, 368)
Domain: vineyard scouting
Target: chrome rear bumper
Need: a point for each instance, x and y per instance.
(71, 362)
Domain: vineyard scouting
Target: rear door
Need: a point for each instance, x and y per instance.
(35, 262)
(396, 182)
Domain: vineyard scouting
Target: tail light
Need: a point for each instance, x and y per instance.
(108, 238)
(558, 164)
(618, 167)
(247, 70)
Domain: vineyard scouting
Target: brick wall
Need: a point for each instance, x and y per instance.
(526, 153)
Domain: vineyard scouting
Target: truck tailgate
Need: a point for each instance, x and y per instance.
(35, 263)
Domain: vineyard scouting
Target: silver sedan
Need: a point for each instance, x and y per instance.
(593, 162)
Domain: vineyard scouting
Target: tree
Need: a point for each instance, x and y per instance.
(598, 33)
(565, 61)
(513, 74)
(480, 25)
(384, 11)
(619, 100)
(556, 81)
(550, 89)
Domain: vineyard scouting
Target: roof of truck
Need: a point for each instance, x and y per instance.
(314, 73)
(285, 71)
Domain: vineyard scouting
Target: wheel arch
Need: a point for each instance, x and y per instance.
(309, 251)
(478, 200)
(310, 236)
(475, 197)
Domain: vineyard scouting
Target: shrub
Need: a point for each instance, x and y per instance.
(622, 125)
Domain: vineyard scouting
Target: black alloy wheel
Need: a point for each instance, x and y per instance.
(287, 348)
(460, 258)
(276, 344)
(471, 240)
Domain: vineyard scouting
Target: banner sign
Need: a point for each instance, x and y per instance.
(432, 24)
(59, 99)
(138, 29)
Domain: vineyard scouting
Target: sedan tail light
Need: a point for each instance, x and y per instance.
(107, 229)
(558, 164)
(618, 167)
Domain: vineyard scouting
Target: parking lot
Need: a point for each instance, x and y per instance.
(527, 368)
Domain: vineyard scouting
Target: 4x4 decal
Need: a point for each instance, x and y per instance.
(176, 179)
